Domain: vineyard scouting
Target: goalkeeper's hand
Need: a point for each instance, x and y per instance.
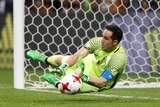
(60, 70)
(84, 78)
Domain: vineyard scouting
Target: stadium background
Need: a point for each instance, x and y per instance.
(6, 34)
(66, 39)
(132, 33)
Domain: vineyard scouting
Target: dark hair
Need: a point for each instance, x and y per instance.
(117, 32)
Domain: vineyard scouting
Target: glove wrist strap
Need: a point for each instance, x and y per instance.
(65, 64)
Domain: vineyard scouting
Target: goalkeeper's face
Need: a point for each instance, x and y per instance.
(108, 44)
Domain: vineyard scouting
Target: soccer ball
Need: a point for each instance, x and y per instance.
(70, 84)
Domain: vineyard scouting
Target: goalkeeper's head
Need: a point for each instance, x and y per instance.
(117, 33)
(112, 35)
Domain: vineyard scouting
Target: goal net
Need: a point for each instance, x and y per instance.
(63, 26)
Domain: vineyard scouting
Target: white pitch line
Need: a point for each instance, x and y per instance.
(100, 95)
(116, 96)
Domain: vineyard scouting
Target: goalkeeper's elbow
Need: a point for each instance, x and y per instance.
(101, 82)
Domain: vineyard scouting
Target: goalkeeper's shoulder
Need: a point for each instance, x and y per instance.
(120, 54)
(93, 43)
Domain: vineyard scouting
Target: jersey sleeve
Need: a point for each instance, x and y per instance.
(117, 64)
(93, 44)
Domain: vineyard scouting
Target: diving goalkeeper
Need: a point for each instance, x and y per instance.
(102, 64)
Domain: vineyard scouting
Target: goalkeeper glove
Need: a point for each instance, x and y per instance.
(61, 69)
(84, 78)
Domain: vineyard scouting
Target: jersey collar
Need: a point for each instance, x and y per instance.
(118, 47)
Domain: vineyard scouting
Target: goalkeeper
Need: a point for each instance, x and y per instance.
(102, 61)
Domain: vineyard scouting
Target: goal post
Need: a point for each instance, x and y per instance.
(18, 17)
(63, 26)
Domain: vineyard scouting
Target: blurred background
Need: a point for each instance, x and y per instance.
(6, 34)
(142, 16)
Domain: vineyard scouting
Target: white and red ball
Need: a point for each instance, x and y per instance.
(70, 84)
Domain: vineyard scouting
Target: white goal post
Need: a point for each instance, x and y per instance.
(63, 26)
(18, 23)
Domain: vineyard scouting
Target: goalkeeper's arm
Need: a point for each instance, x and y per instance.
(98, 82)
(83, 52)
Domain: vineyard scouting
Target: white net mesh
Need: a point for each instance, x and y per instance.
(63, 26)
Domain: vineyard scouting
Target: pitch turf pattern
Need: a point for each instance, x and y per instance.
(10, 97)
(101, 95)
(25, 98)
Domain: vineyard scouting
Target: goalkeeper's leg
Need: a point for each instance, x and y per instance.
(55, 60)
(50, 78)
(38, 56)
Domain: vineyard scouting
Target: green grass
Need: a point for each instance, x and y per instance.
(10, 97)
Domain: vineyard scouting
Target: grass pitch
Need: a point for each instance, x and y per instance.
(10, 97)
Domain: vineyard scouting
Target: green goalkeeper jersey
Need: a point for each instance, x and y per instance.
(98, 61)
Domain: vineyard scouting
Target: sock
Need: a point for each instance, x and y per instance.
(58, 85)
(52, 60)
(46, 61)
